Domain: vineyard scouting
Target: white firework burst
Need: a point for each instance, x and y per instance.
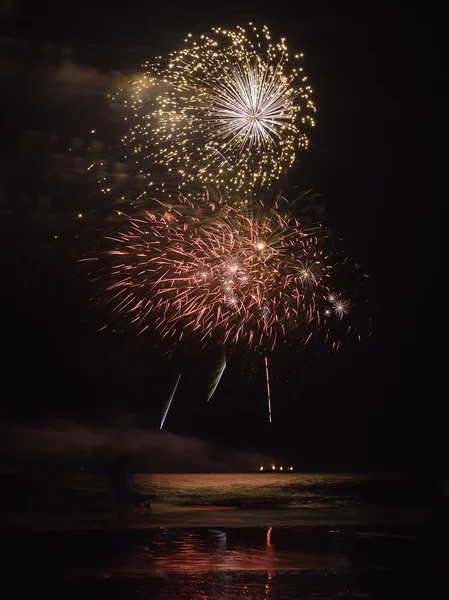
(227, 110)
(341, 307)
(251, 105)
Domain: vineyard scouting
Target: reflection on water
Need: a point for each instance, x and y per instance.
(174, 550)
(219, 563)
(185, 549)
(317, 493)
(293, 490)
(227, 564)
(207, 500)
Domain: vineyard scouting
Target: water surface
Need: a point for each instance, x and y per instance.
(258, 536)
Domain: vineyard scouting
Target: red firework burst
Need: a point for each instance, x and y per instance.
(233, 276)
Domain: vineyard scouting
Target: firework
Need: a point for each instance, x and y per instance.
(339, 306)
(218, 122)
(229, 109)
(217, 377)
(232, 276)
(267, 375)
(169, 401)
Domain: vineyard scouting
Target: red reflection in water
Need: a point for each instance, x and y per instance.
(269, 537)
(200, 551)
(215, 564)
(269, 552)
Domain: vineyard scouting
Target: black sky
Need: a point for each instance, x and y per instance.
(378, 156)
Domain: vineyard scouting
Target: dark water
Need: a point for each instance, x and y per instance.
(221, 563)
(257, 536)
(204, 499)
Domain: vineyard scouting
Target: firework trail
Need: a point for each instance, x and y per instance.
(217, 377)
(222, 156)
(169, 401)
(237, 93)
(268, 388)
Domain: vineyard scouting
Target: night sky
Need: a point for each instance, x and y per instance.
(378, 156)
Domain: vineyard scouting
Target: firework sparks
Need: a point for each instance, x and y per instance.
(341, 307)
(234, 276)
(229, 109)
(169, 401)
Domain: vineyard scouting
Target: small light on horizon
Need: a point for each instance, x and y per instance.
(273, 467)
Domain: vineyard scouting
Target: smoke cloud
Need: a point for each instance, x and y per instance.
(71, 446)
